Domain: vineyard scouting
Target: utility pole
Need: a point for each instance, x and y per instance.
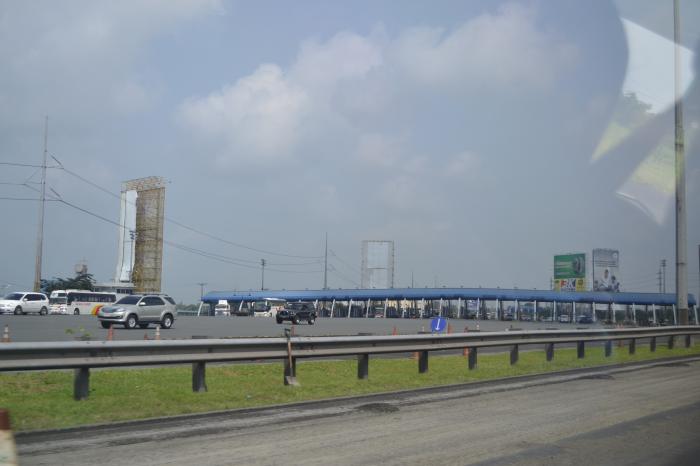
(201, 290)
(663, 275)
(659, 275)
(681, 239)
(262, 283)
(325, 266)
(40, 234)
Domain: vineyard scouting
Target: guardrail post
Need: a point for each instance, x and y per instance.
(608, 348)
(81, 383)
(199, 379)
(633, 345)
(362, 366)
(549, 351)
(652, 344)
(688, 341)
(289, 371)
(472, 358)
(423, 362)
(513, 354)
(671, 341)
(580, 349)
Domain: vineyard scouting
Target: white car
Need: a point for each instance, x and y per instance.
(24, 302)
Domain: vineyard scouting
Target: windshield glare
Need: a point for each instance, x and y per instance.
(129, 300)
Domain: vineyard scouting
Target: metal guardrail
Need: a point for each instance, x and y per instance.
(84, 355)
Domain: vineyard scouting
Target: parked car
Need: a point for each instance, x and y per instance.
(565, 319)
(585, 319)
(297, 312)
(24, 302)
(139, 310)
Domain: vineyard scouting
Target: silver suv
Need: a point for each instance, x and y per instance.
(139, 310)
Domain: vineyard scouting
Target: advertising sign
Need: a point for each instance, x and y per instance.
(606, 270)
(570, 272)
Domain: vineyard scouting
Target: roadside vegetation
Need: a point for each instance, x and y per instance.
(43, 400)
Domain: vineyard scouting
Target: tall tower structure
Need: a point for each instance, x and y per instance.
(140, 251)
(377, 264)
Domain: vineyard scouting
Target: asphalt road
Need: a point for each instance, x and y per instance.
(642, 417)
(64, 328)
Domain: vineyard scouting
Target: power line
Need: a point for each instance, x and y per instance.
(341, 275)
(199, 252)
(16, 164)
(187, 227)
(355, 269)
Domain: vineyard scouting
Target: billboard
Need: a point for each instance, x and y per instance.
(377, 264)
(570, 272)
(606, 270)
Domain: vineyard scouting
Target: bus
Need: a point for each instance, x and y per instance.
(79, 302)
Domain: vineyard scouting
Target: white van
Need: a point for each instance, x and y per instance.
(24, 302)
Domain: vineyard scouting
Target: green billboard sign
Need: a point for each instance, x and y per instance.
(570, 266)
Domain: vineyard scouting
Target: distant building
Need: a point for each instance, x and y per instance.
(377, 264)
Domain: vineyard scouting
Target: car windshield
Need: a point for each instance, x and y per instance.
(129, 300)
(61, 300)
(13, 296)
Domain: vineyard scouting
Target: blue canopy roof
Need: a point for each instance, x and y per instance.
(449, 293)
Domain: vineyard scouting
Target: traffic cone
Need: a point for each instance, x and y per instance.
(110, 333)
(8, 449)
(145, 336)
(449, 328)
(157, 332)
(477, 327)
(6, 334)
(292, 331)
(394, 332)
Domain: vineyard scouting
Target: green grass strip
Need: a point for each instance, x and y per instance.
(43, 400)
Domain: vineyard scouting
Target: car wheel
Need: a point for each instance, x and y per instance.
(279, 320)
(43, 311)
(76, 312)
(143, 325)
(105, 324)
(18, 310)
(312, 320)
(131, 322)
(295, 320)
(167, 321)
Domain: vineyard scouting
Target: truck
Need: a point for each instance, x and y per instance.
(222, 308)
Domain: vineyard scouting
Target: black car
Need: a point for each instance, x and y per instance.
(585, 319)
(297, 312)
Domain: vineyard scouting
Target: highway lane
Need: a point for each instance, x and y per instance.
(59, 328)
(611, 417)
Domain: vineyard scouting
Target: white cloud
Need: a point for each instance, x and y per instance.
(345, 56)
(462, 164)
(492, 50)
(347, 87)
(80, 57)
(378, 150)
(259, 116)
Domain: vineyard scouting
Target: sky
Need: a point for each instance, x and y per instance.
(481, 137)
